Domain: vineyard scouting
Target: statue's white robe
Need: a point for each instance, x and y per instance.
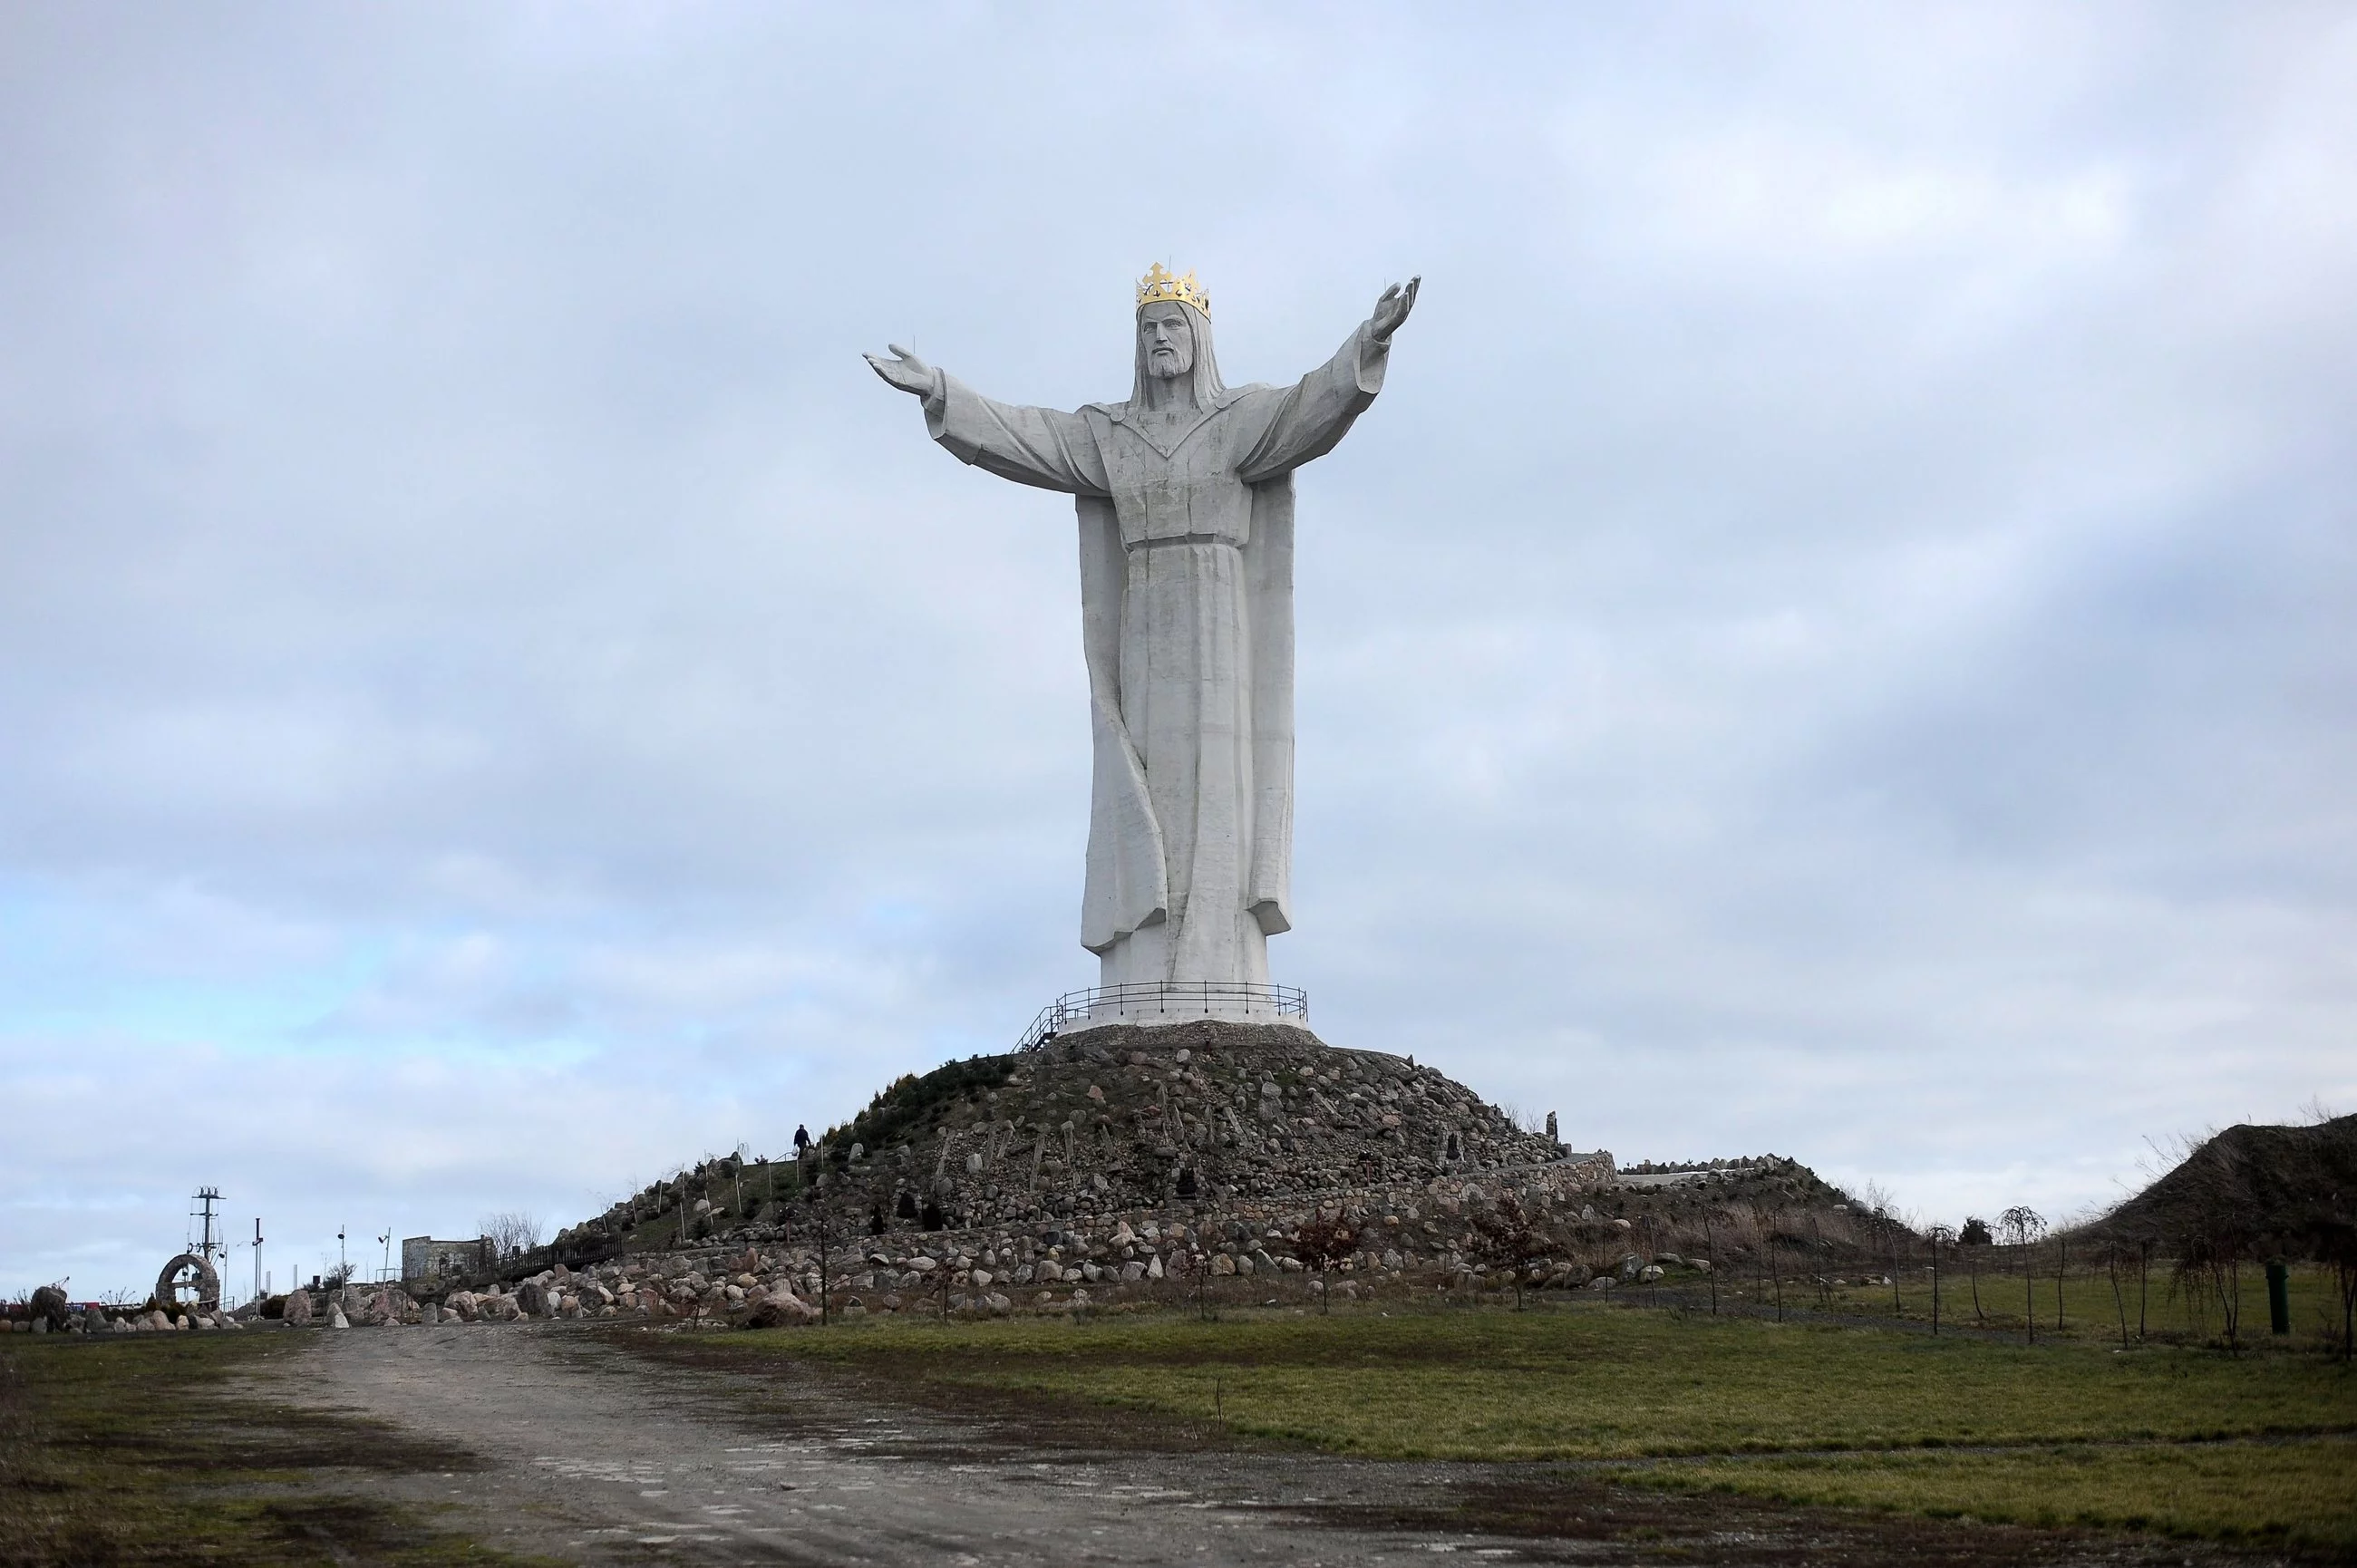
(1186, 619)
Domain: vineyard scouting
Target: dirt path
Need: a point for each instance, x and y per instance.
(599, 1457)
(603, 1457)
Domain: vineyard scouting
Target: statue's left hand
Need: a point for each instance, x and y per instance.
(1393, 308)
(904, 371)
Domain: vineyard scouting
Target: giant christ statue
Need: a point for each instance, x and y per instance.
(1185, 494)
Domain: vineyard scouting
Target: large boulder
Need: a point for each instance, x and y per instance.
(531, 1299)
(779, 1305)
(298, 1307)
(49, 1307)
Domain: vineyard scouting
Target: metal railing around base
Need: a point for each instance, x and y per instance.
(1164, 1001)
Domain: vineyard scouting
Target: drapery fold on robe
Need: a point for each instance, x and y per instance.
(1128, 883)
(1185, 555)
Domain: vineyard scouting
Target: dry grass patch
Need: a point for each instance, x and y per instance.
(130, 1450)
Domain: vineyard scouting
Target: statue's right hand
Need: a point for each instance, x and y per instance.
(904, 371)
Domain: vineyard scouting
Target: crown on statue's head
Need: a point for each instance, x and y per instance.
(1159, 283)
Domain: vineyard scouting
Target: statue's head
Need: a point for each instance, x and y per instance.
(1165, 339)
(1174, 337)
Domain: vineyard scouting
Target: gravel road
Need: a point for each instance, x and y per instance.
(598, 1457)
(565, 1446)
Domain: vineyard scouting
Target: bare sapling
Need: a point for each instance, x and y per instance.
(1885, 1224)
(1645, 1231)
(2061, 1267)
(2213, 1265)
(2345, 1280)
(1325, 1241)
(2222, 1234)
(1504, 1236)
(2024, 1226)
(1938, 1235)
(1898, 1307)
(1764, 1266)
(1824, 1280)
(1710, 1258)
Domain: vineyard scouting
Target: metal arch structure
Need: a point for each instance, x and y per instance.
(188, 1272)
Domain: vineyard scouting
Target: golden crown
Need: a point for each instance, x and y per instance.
(1159, 283)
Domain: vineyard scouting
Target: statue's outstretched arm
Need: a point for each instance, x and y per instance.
(1308, 418)
(1042, 447)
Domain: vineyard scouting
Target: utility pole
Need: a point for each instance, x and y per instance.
(257, 1258)
(206, 1244)
(342, 1267)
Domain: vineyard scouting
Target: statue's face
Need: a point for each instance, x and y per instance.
(1168, 339)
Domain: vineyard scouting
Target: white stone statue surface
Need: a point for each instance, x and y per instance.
(1185, 494)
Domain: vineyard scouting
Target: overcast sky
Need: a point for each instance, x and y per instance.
(1837, 638)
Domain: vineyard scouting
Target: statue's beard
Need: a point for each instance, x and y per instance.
(1169, 364)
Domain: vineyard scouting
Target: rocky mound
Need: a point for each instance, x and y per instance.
(2290, 1187)
(1115, 1119)
(1127, 1163)
(1206, 1113)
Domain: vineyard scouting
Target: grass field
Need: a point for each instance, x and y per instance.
(129, 1450)
(2301, 1493)
(2175, 1440)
